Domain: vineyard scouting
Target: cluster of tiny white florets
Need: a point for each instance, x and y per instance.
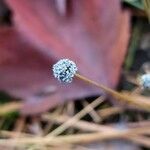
(64, 70)
(145, 81)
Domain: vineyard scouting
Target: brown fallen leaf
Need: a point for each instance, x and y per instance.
(92, 33)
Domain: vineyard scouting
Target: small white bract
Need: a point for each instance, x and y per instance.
(64, 70)
(145, 81)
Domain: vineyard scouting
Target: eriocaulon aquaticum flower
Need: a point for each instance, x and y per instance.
(145, 81)
(64, 70)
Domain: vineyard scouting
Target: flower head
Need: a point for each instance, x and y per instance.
(64, 70)
(145, 81)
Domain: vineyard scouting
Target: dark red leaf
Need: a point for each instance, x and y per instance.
(94, 34)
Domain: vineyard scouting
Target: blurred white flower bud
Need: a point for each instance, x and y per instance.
(145, 81)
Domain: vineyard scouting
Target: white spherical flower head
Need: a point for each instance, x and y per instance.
(145, 81)
(64, 70)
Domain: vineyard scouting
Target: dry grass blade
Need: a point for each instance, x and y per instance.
(70, 108)
(9, 107)
(70, 111)
(12, 134)
(96, 118)
(79, 115)
(76, 139)
(19, 126)
(107, 112)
